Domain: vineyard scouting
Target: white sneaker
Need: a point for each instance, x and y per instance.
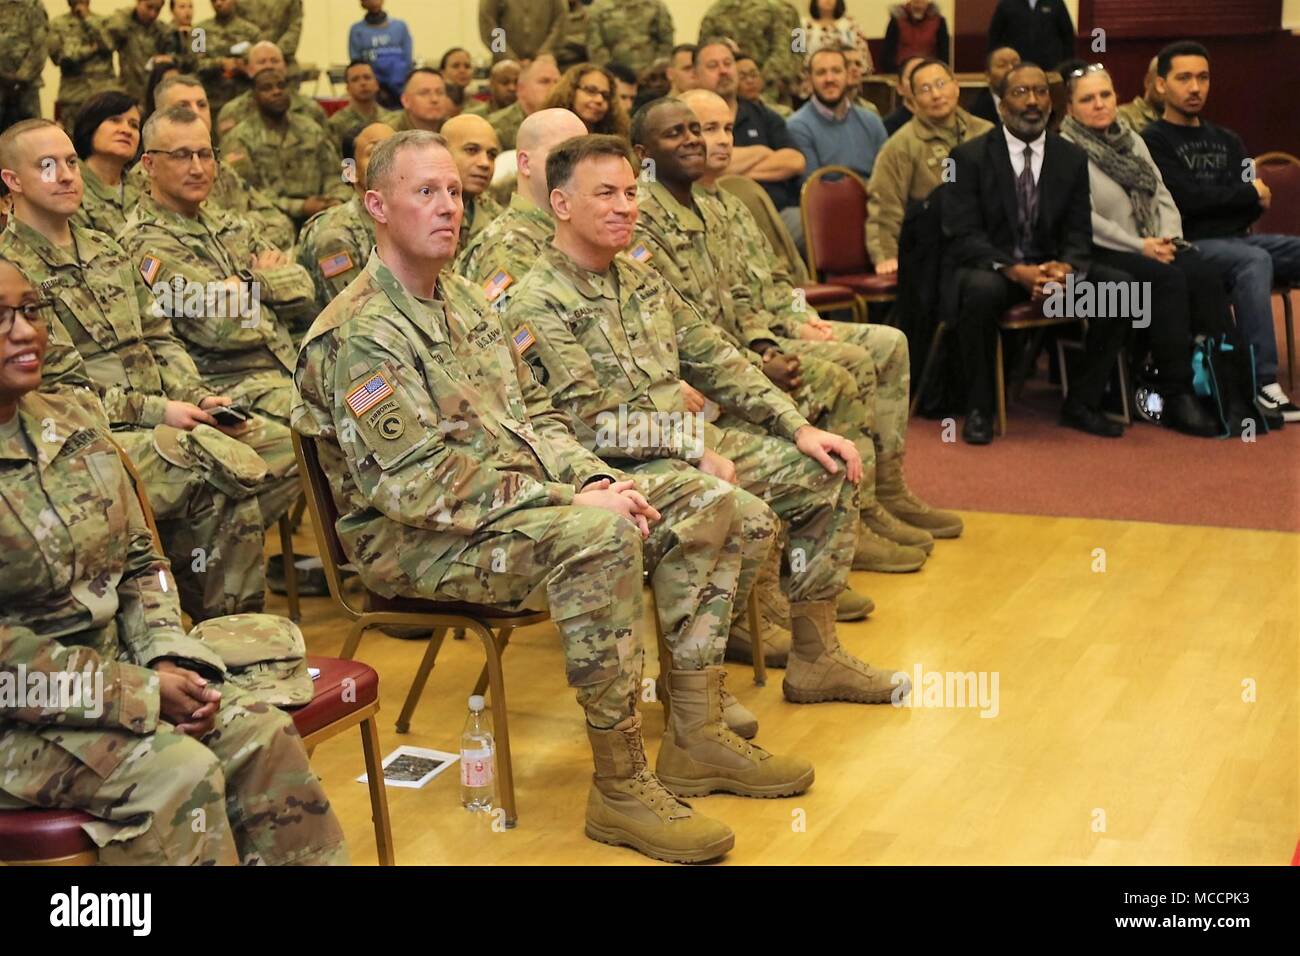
(1273, 399)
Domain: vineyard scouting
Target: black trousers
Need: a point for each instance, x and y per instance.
(1187, 299)
(983, 295)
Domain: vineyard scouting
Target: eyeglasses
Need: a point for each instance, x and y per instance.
(1020, 92)
(182, 155)
(1085, 70)
(596, 91)
(934, 87)
(34, 313)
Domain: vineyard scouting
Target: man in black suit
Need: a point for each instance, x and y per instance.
(1017, 220)
(999, 63)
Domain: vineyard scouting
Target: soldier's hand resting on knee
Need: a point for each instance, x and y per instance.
(711, 463)
(186, 699)
(820, 445)
(620, 497)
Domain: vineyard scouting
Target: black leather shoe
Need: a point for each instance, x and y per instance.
(1088, 420)
(978, 429)
(1184, 413)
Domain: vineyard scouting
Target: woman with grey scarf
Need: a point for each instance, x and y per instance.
(1136, 228)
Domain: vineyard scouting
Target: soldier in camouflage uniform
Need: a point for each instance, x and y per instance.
(764, 29)
(676, 233)
(634, 35)
(876, 355)
(24, 35)
(227, 39)
(617, 342)
(362, 108)
(265, 55)
(242, 345)
(230, 192)
(279, 20)
(104, 207)
(82, 49)
(456, 479)
(139, 38)
(289, 157)
(529, 27)
(177, 767)
(536, 80)
(335, 244)
(212, 495)
(474, 146)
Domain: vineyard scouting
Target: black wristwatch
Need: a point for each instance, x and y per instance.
(246, 277)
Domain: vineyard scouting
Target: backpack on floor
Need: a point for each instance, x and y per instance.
(1223, 374)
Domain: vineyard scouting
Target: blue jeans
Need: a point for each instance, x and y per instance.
(1249, 265)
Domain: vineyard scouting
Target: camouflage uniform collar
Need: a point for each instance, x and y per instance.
(687, 220)
(590, 285)
(953, 134)
(102, 190)
(86, 245)
(417, 311)
(35, 412)
(149, 208)
(529, 210)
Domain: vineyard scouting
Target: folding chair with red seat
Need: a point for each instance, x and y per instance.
(833, 204)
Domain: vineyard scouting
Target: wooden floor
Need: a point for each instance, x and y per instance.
(1121, 734)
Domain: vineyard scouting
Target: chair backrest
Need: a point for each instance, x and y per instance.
(833, 203)
(760, 206)
(324, 517)
(1281, 173)
(141, 495)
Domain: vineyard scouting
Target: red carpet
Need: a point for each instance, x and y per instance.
(1151, 474)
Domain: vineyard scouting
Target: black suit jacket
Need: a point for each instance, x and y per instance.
(984, 107)
(979, 211)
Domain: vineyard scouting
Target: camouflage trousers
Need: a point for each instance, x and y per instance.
(830, 399)
(585, 566)
(207, 493)
(700, 556)
(877, 358)
(819, 510)
(269, 394)
(244, 793)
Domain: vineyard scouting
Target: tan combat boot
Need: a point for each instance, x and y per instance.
(852, 606)
(896, 498)
(886, 525)
(700, 754)
(628, 806)
(734, 714)
(877, 553)
(821, 670)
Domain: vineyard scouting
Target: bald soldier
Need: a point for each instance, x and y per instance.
(474, 146)
(212, 496)
(151, 737)
(335, 244)
(265, 55)
(230, 192)
(612, 341)
(235, 333)
(876, 355)
(289, 157)
(457, 480)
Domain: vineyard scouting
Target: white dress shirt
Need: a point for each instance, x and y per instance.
(1016, 146)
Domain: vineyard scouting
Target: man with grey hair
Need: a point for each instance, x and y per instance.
(265, 55)
(236, 334)
(459, 481)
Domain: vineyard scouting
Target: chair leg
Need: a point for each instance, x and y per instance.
(496, 680)
(1000, 387)
(1289, 324)
(421, 678)
(296, 513)
(756, 641)
(1127, 412)
(927, 369)
(503, 638)
(378, 792)
(665, 663)
(353, 639)
(1026, 363)
(290, 568)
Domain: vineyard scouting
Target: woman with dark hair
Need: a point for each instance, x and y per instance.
(1136, 227)
(107, 138)
(828, 25)
(589, 91)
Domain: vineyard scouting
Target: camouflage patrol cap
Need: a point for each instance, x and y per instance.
(265, 656)
(229, 464)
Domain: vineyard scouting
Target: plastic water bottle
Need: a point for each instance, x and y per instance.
(477, 760)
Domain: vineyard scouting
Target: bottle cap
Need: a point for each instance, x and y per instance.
(476, 703)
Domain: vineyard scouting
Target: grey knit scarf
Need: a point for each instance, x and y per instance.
(1112, 150)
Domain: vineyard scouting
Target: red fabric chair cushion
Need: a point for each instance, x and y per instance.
(1283, 214)
(36, 834)
(837, 216)
(819, 293)
(332, 104)
(329, 705)
(867, 283)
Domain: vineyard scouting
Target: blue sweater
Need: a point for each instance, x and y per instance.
(386, 47)
(852, 141)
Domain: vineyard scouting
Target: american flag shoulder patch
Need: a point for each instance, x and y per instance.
(368, 394)
(640, 252)
(497, 283)
(337, 264)
(523, 340)
(149, 267)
